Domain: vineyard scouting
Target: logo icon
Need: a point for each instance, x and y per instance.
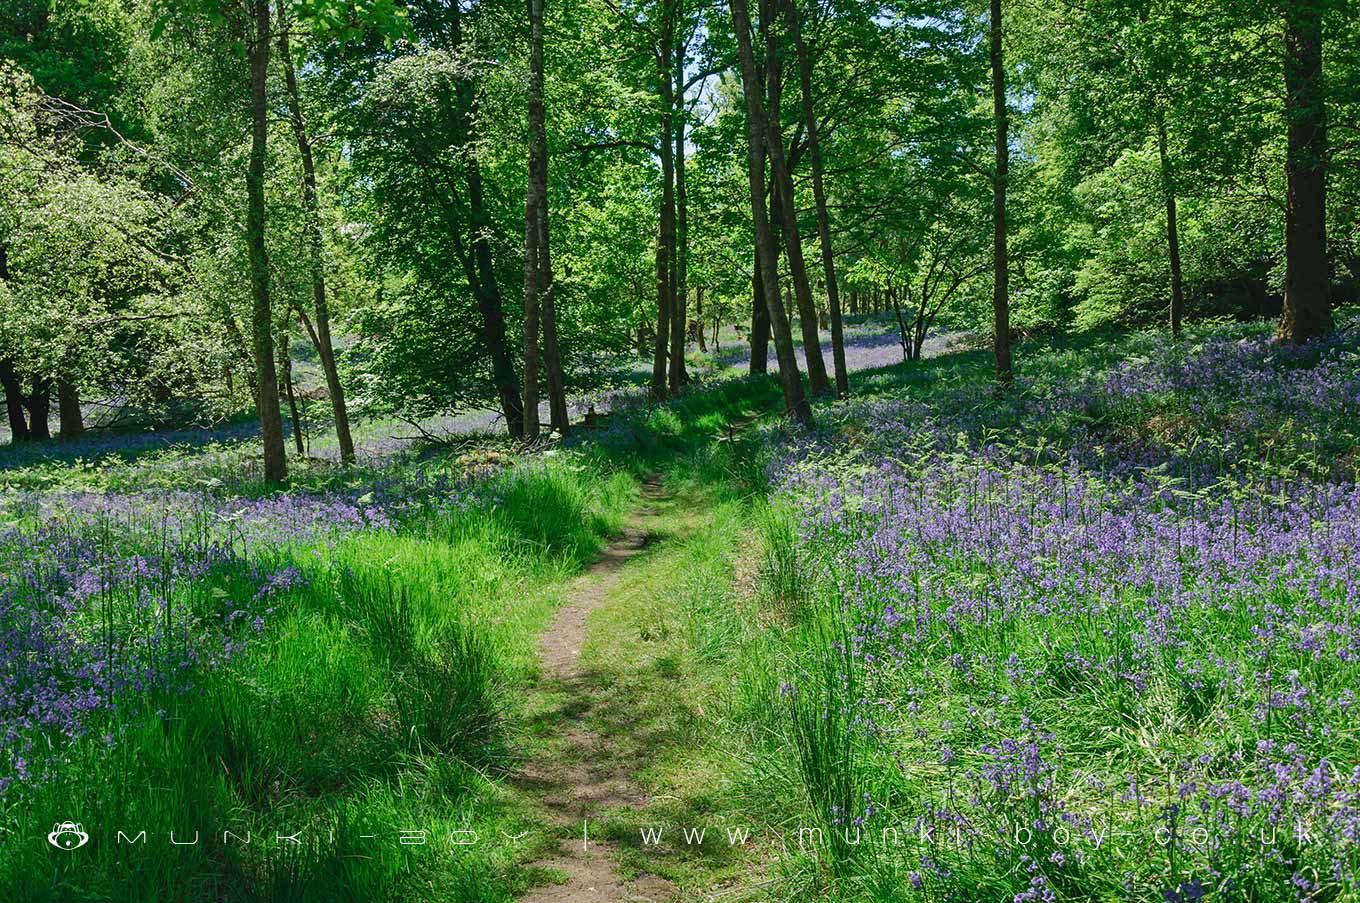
(68, 836)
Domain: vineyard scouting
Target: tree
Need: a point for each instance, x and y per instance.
(787, 205)
(819, 199)
(1001, 312)
(757, 132)
(320, 331)
(537, 273)
(258, 41)
(665, 244)
(1307, 290)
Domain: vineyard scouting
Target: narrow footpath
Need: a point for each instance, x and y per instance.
(581, 776)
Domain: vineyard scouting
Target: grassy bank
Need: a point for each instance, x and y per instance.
(376, 697)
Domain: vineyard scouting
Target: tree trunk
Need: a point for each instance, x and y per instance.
(819, 198)
(1307, 286)
(261, 319)
(14, 403)
(903, 337)
(680, 291)
(311, 210)
(286, 367)
(38, 403)
(665, 246)
(72, 423)
(760, 321)
(552, 351)
(542, 260)
(485, 287)
(1173, 238)
(533, 270)
(9, 379)
(795, 402)
(1001, 306)
(539, 287)
(788, 219)
(491, 309)
(699, 315)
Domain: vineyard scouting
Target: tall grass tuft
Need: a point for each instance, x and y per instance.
(784, 576)
(822, 711)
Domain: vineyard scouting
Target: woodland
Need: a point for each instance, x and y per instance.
(920, 437)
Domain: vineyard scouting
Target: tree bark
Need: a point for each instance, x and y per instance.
(1173, 238)
(680, 289)
(38, 403)
(788, 217)
(71, 422)
(1307, 310)
(9, 379)
(1001, 308)
(261, 319)
(286, 368)
(699, 315)
(537, 261)
(311, 210)
(541, 259)
(819, 199)
(533, 270)
(665, 248)
(795, 402)
(485, 286)
(14, 403)
(760, 320)
(492, 310)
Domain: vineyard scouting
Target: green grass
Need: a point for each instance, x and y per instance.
(388, 691)
(383, 695)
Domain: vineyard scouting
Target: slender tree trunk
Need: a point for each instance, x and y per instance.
(9, 379)
(311, 210)
(760, 321)
(1307, 284)
(486, 287)
(1173, 238)
(552, 350)
(72, 423)
(903, 336)
(1001, 306)
(492, 310)
(533, 271)
(699, 314)
(679, 314)
(782, 181)
(538, 173)
(262, 319)
(833, 299)
(795, 402)
(286, 367)
(665, 248)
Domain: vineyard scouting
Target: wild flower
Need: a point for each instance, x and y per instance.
(1043, 598)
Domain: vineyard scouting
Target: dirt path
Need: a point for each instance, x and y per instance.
(579, 778)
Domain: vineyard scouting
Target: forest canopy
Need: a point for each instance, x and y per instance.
(467, 205)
